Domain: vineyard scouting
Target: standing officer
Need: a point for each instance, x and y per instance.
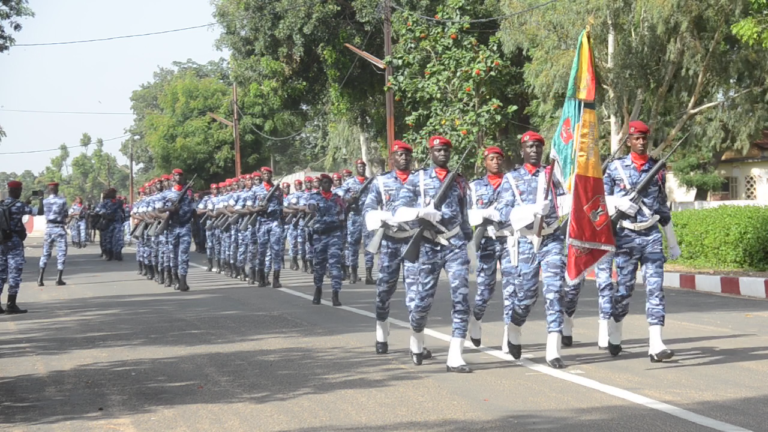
(326, 236)
(270, 214)
(180, 209)
(354, 197)
(483, 195)
(445, 249)
(12, 236)
(638, 240)
(77, 223)
(55, 232)
(531, 252)
(377, 212)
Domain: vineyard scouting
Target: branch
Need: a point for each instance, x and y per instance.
(671, 69)
(705, 65)
(711, 104)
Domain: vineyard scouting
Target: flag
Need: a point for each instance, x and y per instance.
(575, 147)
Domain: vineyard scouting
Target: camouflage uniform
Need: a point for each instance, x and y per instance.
(206, 203)
(118, 238)
(245, 252)
(179, 230)
(326, 229)
(356, 230)
(270, 228)
(293, 228)
(55, 231)
(78, 225)
(12, 258)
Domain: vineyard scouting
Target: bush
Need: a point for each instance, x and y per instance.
(726, 237)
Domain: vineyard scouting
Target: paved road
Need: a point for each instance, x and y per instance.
(112, 351)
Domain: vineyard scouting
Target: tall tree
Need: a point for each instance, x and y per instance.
(10, 13)
(754, 28)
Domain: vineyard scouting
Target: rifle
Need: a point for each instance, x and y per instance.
(164, 223)
(643, 185)
(136, 229)
(252, 220)
(204, 219)
(480, 231)
(413, 250)
(355, 203)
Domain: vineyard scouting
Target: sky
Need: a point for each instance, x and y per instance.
(90, 77)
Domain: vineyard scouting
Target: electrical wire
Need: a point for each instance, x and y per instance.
(532, 8)
(59, 148)
(267, 136)
(65, 112)
(357, 57)
(114, 37)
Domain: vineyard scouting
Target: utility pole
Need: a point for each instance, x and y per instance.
(109, 182)
(236, 129)
(130, 199)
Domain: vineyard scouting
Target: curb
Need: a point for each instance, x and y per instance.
(731, 285)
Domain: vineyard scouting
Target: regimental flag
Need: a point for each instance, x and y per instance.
(590, 235)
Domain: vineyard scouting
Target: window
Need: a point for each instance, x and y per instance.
(750, 187)
(729, 189)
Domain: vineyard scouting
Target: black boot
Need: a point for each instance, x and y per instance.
(294, 263)
(176, 283)
(344, 272)
(183, 283)
(243, 274)
(304, 267)
(150, 272)
(141, 268)
(276, 280)
(40, 276)
(168, 278)
(369, 276)
(160, 275)
(11, 307)
(210, 265)
(252, 277)
(335, 298)
(237, 272)
(218, 266)
(59, 279)
(107, 255)
(266, 277)
(232, 271)
(353, 275)
(311, 267)
(318, 296)
(119, 255)
(262, 278)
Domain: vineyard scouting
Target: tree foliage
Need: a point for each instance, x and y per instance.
(754, 28)
(10, 13)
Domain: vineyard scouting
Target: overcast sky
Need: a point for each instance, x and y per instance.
(92, 77)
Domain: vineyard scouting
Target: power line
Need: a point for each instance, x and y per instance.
(475, 20)
(267, 136)
(115, 37)
(59, 148)
(65, 112)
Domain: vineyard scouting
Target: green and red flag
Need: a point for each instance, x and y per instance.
(575, 148)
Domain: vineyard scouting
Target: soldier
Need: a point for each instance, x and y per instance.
(269, 213)
(76, 222)
(446, 249)
(245, 252)
(337, 181)
(638, 239)
(135, 220)
(316, 184)
(295, 245)
(328, 209)
(118, 240)
(12, 236)
(353, 196)
(286, 189)
(346, 174)
(483, 196)
(310, 182)
(158, 241)
(377, 212)
(204, 209)
(55, 232)
(180, 209)
(530, 251)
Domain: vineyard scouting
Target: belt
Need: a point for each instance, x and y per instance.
(639, 226)
(544, 231)
(442, 238)
(55, 223)
(326, 231)
(503, 232)
(399, 234)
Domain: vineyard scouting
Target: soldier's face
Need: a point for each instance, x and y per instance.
(360, 169)
(346, 175)
(257, 181)
(248, 183)
(493, 163)
(638, 144)
(287, 189)
(178, 179)
(266, 176)
(316, 184)
(441, 155)
(402, 160)
(326, 184)
(336, 181)
(215, 190)
(299, 187)
(532, 152)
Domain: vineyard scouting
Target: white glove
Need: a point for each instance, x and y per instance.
(673, 249)
(542, 208)
(521, 216)
(475, 216)
(430, 214)
(565, 204)
(626, 205)
(491, 214)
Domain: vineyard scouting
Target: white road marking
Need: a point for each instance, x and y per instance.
(566, 376)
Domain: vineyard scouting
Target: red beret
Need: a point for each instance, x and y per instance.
(321, 176)
(229, 182)
(532, 136)
(336, 175)
(141, 190)
(324, 176)
(246, 176)
(167, 177)
(309, 179)
(346, 171)
(493, 150)
(286, 184)
(53, 184)
(214, 185)
(256, 174)
(638, 128)
(401, 146)
(14, 184)
(178, 171)
(222, 184)
(360, 161)
(298, 181)
(266, 169)
(438, 140)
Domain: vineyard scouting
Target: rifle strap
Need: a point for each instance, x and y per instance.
(624, 177)
(380, 181)
(421, 188)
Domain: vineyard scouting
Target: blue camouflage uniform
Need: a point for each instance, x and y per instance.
(270, 228)
(292, 229)
(382, 196)
(605, 286)
(326, 237)
(12, 258)
(118, 238)
(483, 195)
(638, 239)
(356, 230)
(222, 247)
(135, 210)
(206, 203)
(179, 229)
(55, 231)
(160, 241)
(233, 233)
(246, 252)
(449, 252)
(304, 245)
(78, 224)
(520, 188)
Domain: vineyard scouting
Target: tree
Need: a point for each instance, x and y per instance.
(10, 12)
(754, 28)
(672, 64)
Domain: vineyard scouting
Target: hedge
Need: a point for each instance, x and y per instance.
(726, 237)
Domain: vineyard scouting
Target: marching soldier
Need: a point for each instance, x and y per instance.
(530, 251)
(337, 181)
(286, 189)
(292, 223)
(638, 239)
(308, 191)
(328, 209)
(12, 238)
(180, 209)
(135, 220)
(245, 253)
(353, 196)
(346, 174)
(219, 202)
(76, 221)
(378, 216)
(118, 240)
(446, 249)
(204, 209)
(270, 214)
(482, 214)
(55, 232)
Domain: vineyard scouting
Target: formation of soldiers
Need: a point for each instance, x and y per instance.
(419, 223)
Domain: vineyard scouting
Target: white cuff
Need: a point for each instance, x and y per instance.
(475, 216)
(669, 232)
(610, 202)
(522, 216)
(406, 214)
(565, 204)
(374, 218)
